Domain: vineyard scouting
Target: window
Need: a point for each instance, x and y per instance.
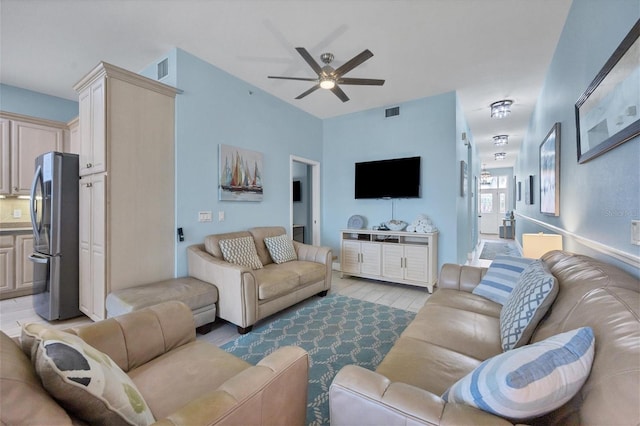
(486, 203)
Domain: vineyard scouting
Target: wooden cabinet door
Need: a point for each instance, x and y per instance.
(93, 135)
(370, 258)
(7, 262)
(350, 257)
(393, 261)
(416, 263)
(24, 267)
(5, 160)
(92, 273)
(27, 142)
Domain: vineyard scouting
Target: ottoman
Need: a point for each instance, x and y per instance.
(198, 295)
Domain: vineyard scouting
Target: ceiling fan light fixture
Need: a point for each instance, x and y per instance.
(501, 109)
(500, 140)
(327, 83)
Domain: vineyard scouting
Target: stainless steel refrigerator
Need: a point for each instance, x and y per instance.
(54, 216)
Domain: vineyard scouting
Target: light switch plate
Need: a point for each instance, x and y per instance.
(635, 232)
(221, 216)
(204, 216)
(17, 214)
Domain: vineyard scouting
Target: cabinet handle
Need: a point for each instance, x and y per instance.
(15, 189)
(89, 165)
(89, 185)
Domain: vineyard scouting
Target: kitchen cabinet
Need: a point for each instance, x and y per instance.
(23, 139)
(402, 257)
(72, 143)
(16, 270)
(127, 201)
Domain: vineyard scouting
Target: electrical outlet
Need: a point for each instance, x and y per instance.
(221, 216)
(635, 232)
(17, 214)
(204, 216)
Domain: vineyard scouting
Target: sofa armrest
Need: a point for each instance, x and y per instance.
(364, 397)
(460, 277)
(135, 338)
(311, 253)
(272, 392)
(237, 286)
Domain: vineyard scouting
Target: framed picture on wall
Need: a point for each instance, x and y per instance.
(550, 172)
(464, 178)
(519, 191)
(240, 174)
(608, 112)
(528, 190)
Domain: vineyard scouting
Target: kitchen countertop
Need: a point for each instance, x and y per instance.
(15, 228)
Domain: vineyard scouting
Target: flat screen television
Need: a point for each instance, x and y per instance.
(297, 191)
(393, 178)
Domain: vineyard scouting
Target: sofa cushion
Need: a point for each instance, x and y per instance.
(86, 381)
(241, 251)
(259, 234)
(501, 278)
(526, 305)
(274, 280)
(24, 400)
(212, 242)
(281, 248)
(529, 381)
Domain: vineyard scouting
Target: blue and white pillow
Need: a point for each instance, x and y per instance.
(502, 276)
(529, 301)
(529, 381)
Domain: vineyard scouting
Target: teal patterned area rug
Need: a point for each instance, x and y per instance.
(335, 331)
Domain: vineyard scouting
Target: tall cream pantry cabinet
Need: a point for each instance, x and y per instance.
(127, 225)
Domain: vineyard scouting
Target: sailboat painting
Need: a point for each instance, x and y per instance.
(240, 174)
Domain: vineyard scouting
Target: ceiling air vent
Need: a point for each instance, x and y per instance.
(392, 112)
(163, 68)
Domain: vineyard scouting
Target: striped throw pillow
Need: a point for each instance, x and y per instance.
(241, 251)
(529, 381)
(502, 276)
(281, 248)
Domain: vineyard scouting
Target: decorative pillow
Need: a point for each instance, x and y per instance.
(281, 248)
(241, 251)
(84, 380)
(526, 305)
(529, 381)
(502, 276)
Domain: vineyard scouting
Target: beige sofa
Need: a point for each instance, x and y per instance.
(456, 330)
(182, 380)
(246, 295)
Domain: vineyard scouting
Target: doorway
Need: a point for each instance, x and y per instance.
(304, 216)
(493, 202)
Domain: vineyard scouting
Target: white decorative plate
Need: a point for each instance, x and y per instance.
(355, 222)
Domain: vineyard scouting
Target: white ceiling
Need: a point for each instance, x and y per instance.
(486, 50)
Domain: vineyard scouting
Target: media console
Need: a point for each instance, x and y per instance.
(395, 256)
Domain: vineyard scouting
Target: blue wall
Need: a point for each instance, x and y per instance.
(425, 128)
(216, 108)
(598, 199)
(34, 104)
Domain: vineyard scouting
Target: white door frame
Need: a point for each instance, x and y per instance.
(315, 197)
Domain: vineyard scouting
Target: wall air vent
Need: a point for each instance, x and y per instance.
(163, 68)
(392, 112)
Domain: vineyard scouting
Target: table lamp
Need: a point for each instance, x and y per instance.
(535, 245)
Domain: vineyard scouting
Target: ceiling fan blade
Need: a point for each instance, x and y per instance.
(313, 89)
(361, 81)
(339, 93)
(309, 59)
(293, 78)
(353, 62)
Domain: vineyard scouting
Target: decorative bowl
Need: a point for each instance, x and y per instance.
(396, 225)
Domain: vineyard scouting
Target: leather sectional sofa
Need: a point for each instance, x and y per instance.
(457, 330)
(246, 295)
(183, 381)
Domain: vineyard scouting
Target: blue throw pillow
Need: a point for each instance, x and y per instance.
(529, 381)
(527, 304)
(502, 276)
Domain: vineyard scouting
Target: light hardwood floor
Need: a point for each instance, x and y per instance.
(18, 311)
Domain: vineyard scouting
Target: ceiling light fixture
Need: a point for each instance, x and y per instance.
(500, 140)
(501, 109)
(500, 155)
(485, 176)
(327, 83)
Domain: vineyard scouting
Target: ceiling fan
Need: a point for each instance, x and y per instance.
(330, 78)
